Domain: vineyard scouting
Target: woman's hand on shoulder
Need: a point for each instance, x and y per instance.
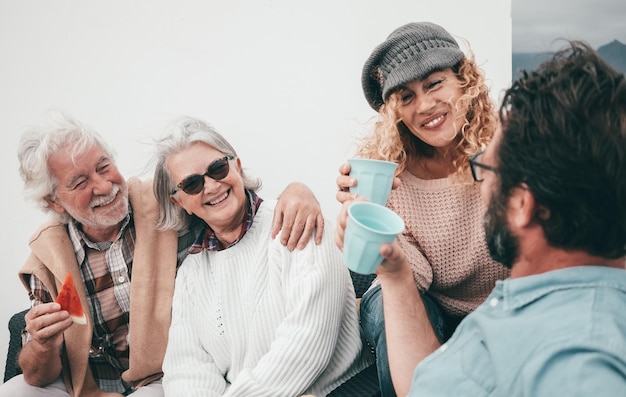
(299, 215)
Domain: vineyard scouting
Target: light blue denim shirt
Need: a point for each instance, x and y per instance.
(561, 333)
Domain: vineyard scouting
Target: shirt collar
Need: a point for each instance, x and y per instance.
(519, 292)
(80, 240)
(208, 241)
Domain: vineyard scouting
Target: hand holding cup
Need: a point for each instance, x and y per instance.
(374, 178)
(369, 226)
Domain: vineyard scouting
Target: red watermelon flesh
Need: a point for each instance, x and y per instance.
(69, 300)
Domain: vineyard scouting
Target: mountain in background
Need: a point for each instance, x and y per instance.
(613, 53)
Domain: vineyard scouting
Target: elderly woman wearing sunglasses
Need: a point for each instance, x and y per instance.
(249, 316)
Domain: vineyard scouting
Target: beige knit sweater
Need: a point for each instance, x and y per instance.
(444, 240)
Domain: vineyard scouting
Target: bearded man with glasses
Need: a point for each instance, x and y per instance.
(554, 181)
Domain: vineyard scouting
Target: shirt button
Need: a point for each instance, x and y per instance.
(121, 279)
(494, 302)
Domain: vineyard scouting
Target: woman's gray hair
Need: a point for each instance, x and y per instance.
(183, 133)
(55, 132)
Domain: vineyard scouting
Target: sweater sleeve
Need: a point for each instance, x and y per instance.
(422, 270)
(420, 266)
(316, 287)
(188, 370)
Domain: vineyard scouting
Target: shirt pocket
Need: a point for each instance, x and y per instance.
(461, 367)
(476, 367)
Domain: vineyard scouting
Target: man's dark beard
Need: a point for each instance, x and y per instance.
(502, 245)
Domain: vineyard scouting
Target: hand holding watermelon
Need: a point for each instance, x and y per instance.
(69, 300)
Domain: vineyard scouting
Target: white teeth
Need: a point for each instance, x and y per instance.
(100, 201)
(219, 199)
(434, 121)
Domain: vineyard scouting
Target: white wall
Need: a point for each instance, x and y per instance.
(280, 79)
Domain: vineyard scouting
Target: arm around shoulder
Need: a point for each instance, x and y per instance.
(298, 215)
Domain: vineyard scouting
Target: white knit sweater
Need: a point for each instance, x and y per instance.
(258, 320)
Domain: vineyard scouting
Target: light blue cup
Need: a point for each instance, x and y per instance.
(374, 178)
(369, 226)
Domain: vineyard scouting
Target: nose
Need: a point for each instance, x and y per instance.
(425, 103)
(101, 186)
(209, 184)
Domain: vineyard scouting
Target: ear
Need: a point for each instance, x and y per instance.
(238, 164)
(522, 206)
(177, 202)
(54, 206)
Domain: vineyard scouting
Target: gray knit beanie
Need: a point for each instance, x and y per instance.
(411, 52)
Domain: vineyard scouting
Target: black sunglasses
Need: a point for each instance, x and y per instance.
(194, 184)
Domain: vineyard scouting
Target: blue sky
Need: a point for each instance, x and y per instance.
(537, 23)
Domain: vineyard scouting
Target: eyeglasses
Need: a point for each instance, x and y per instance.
(478, 167)
(194, 184)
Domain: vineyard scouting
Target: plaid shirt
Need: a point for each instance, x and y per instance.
(106, 271)
(207, 239)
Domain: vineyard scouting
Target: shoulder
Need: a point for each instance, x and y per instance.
(602, 366)
(141, 197)
(49, 228)
(265, 214)
(267, 207)
(139, 188)
(191, 267)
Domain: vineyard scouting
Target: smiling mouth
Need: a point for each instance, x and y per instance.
(104, 201)
(102, 204)
(219, 199)
(434, 122)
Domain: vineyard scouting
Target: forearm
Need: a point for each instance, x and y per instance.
(40, 366)
(410, 336)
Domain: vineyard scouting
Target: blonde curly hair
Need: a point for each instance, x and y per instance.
(391, 140)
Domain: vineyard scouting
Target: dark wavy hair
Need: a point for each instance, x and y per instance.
(564, 136)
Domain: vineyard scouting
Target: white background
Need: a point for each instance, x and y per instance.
(280, 79)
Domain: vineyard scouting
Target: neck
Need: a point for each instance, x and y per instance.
(432, 169)
(226, 237)
(438, 166)
(557, 259)
(231, 232)
(102, 234)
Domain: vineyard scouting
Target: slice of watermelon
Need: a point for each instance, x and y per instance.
(69, 300)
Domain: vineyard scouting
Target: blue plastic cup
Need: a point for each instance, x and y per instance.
(374, 178)
(369, 226)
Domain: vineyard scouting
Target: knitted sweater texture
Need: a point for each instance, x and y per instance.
(258, 320)
(444, 240)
